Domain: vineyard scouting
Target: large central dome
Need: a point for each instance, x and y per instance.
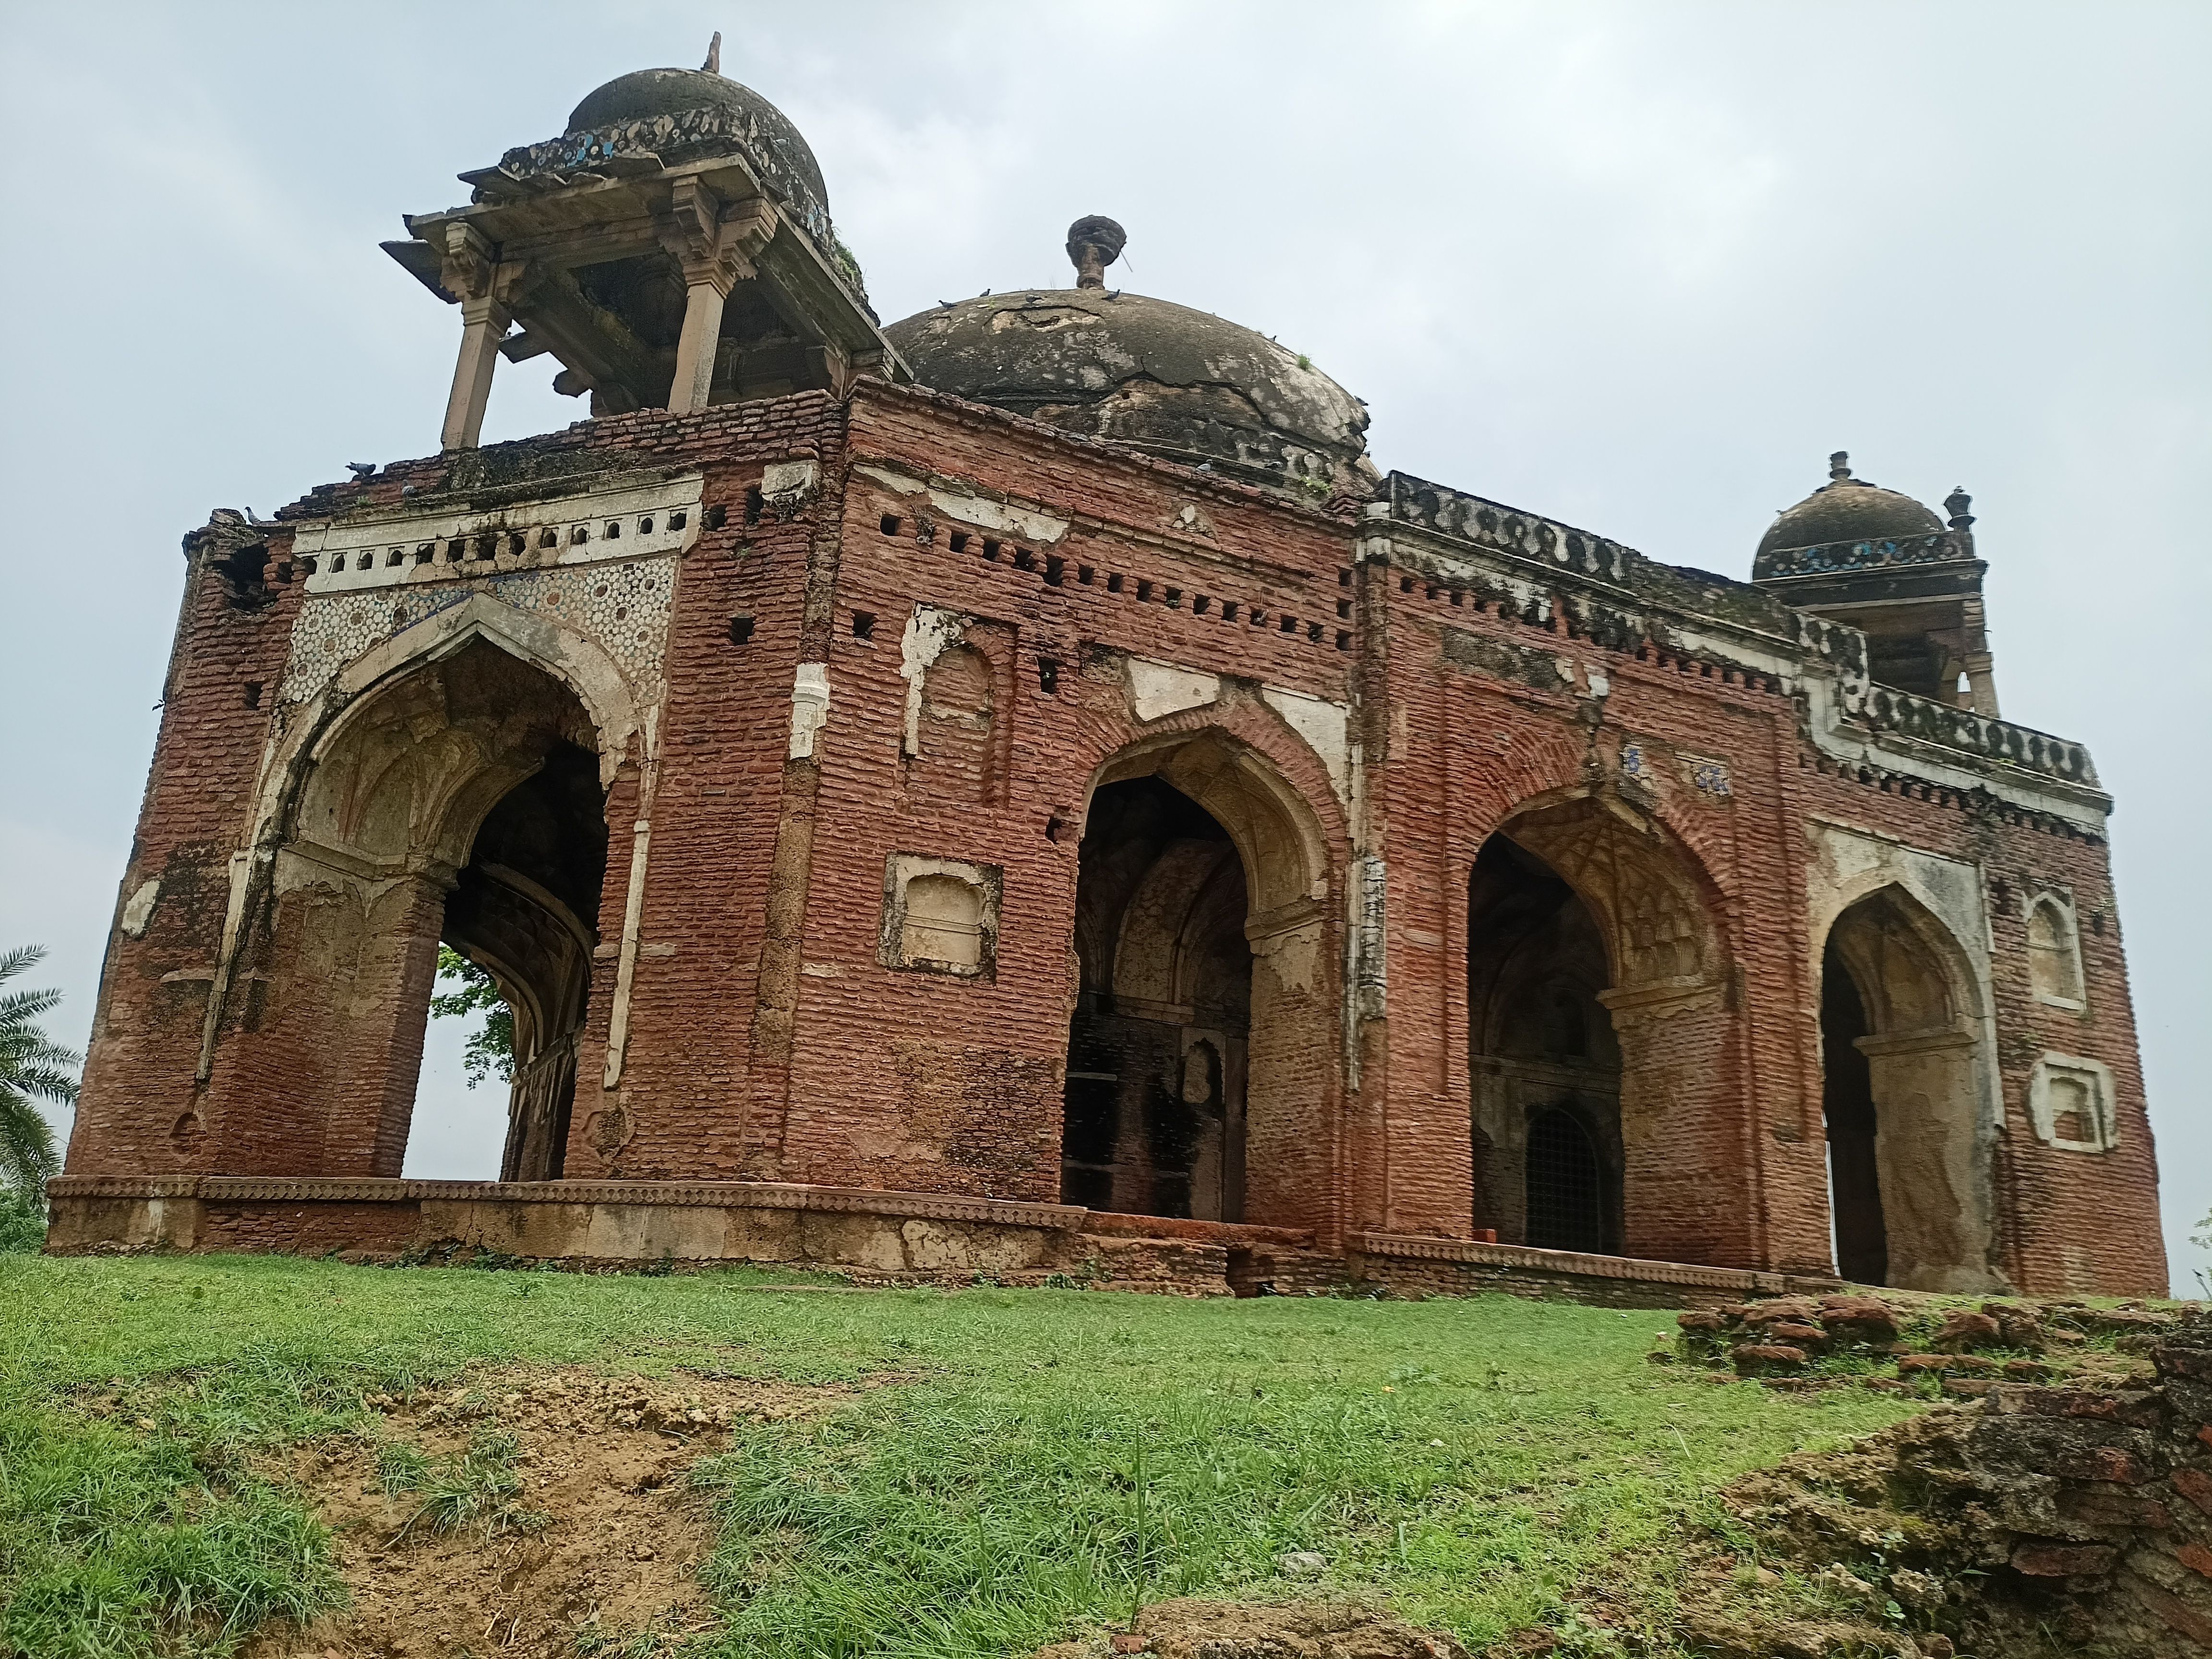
(1159, 377)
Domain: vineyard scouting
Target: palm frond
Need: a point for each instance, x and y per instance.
(13, 962)
(33, 1066)
(27, 1157)
(49, 1083)
(24, 1006)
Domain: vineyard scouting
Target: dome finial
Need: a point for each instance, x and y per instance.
(1956, 504)
(713, 63)
(1840, 466)
(1094, 242)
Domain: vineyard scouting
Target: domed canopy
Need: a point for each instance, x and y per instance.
(780, 156)
(1848, 509)
(1156, 376)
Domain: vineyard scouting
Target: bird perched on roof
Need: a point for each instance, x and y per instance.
(361, 468)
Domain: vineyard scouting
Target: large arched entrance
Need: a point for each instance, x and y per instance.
(1203, 1035)
(1544, 1064)
(460, 802)
(1607, 1105)
(1909, 1169)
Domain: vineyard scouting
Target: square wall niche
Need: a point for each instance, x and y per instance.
(940, 916)
(2069, 1102)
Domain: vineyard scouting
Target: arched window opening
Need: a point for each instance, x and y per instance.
(1154, 1121)
(2054, 954)
(1862, 1246)
(1544, 1062)
(1566, 1186)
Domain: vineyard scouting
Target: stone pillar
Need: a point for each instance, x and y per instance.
(1931, 1159)
(1982, 683)
(1290, 1175)
(472, 272)
(484, 324)
(1687, 1190)
(706, 286)
(713, 244)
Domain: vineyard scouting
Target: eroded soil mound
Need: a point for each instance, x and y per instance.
(1227, 1629)
(2039, 1521)
(533, 1512)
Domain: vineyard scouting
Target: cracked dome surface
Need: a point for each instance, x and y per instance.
(1159, 377)
(1848, 509)
(786, 161)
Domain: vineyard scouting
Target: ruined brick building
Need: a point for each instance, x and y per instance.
(1016, 790)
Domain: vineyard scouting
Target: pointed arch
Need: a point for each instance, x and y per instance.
(2054, 952)
(1205, 1041)
(1908, 1097)
(456, 796)
(571, 656)
(1659, 1084)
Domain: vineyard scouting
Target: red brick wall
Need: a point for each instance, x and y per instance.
(765, 1037)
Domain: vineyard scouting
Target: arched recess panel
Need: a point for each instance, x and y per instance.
(1154, 1121)
(1201, 911)
(462, 800)
(1686, 1159)
(1913, 1016)
(1542, 1052)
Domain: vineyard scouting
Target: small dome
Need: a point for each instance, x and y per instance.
(1848, 509)
(781, 157)
(1156, 376)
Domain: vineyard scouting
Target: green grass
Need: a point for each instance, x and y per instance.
(1041, 1459)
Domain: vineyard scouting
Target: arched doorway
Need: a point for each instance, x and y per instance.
(1205, 1039)
(1908, 1166)
(461, 801)
(524, 909)
(1544, 1060)
(1154, 1121)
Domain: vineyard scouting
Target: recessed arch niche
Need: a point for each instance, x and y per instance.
(1204, 1033)
(1910, 1155)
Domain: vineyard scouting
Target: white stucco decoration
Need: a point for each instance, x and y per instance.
(1325, 725)
(406, 547)
(810, 707)
(138, 908)
(2080, 1089)
(1849, 863)
(999, 517)
(1157, 689)
(931, 631)
(789, 484)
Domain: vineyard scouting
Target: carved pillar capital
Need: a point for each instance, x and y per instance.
(713, 243)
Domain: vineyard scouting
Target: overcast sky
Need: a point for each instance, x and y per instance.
(1639, 266)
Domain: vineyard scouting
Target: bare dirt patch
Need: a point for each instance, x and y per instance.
(534, 1512)
(1184, 1629)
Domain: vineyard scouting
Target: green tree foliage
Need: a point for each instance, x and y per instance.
(490, 1052)
(32, 1067)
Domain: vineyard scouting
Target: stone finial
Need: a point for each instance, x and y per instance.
(1956, 504)
(713, 63)
(1094, 243)
(1840, 466)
